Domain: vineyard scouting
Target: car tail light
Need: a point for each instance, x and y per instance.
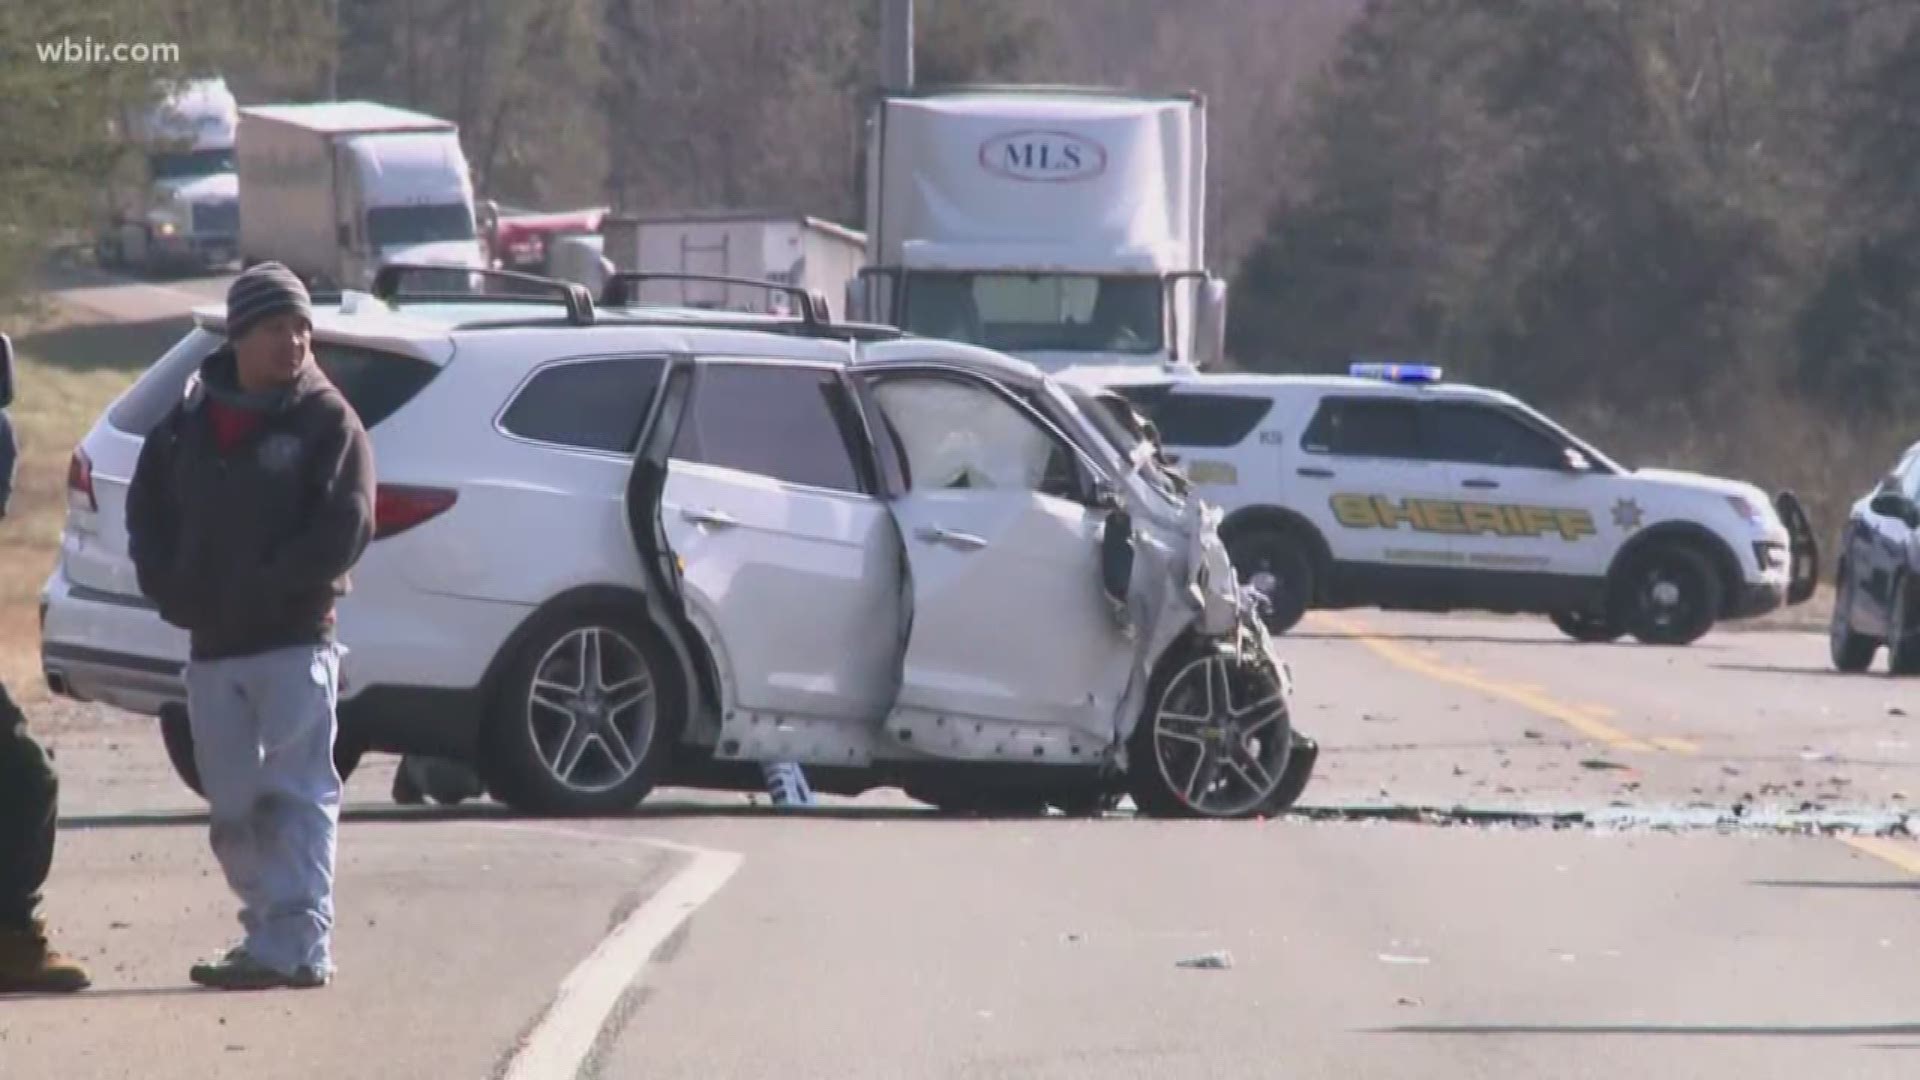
(399, 507)
(80, 483)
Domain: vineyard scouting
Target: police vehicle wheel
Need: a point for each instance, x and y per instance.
(1587, 627)
(176, 734)
(1215, 741)
(585, 719)
(1670, 595)
(1280, 568)
(1903, 635)
(1852, 652)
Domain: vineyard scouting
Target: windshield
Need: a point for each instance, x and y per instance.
(405, 226)
(1038, 312)
(1122, 438)
(190, 164)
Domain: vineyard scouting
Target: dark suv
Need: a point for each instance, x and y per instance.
(1877, 590)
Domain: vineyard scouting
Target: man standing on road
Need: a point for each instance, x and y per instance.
(251, 503)
(29, 796)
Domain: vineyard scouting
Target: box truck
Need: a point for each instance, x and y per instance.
(175, 205)
(792, 249)
(336, 190)
(1063, 225)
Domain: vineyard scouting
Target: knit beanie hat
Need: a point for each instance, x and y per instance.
(268, 288)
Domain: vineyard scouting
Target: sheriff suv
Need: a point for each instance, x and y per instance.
(1391, 488)
(619, 546)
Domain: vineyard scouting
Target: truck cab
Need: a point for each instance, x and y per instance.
(1064, 226)
(336, 190)
(180, 205)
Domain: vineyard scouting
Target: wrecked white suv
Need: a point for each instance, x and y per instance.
(925, 564)
(622, 546)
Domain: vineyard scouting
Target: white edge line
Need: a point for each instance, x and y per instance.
(559, 1044)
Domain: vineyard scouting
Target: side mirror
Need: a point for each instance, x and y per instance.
(6, 371)
(1116, 561)
(1576, 462)
(1106, 496)
(1897, 506)
(1210, 325)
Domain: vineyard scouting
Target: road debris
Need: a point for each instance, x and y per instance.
(1895, 710)
(1221, 960)
(1599, 764)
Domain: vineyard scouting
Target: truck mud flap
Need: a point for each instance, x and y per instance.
(1804, 575)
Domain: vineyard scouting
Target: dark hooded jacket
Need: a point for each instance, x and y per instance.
(248, 550)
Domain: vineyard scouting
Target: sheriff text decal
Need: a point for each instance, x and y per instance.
(1461, 518)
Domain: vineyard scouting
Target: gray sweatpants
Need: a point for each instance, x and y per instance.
(263, 731)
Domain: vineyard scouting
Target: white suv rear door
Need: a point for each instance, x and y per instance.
(1364, 481)
(789, 561)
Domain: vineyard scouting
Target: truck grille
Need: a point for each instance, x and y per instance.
(216, 218)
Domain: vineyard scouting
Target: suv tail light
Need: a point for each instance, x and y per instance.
(399, 507)
(80, 483)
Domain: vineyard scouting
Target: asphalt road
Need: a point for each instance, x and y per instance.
(1714, 903)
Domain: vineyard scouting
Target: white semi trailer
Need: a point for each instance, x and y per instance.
(336, 190)
(1063, 225)
(791, 249)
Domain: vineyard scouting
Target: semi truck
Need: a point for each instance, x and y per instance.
(1062, 225)
(335, 190)
(790, 249)
(174, 203)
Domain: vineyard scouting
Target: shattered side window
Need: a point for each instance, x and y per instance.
(959, 435)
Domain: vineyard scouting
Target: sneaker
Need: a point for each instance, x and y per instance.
(787, 784)
(29, 963)
(238, 970)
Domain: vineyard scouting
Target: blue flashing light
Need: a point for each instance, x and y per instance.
(1395, 373)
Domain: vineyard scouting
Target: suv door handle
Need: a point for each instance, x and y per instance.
(937, 535)
(1317, 474)
(710, 516)
(1484, 485)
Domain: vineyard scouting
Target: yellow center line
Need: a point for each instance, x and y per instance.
(1904, 856)
(1527, 697)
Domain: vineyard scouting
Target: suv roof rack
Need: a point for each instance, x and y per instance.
(580, 311)
(623, 289)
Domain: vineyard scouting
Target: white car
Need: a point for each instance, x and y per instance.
(1392, 488)
(622, 546)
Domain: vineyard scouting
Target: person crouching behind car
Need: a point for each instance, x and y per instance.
(29, 799)
(250, 504)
